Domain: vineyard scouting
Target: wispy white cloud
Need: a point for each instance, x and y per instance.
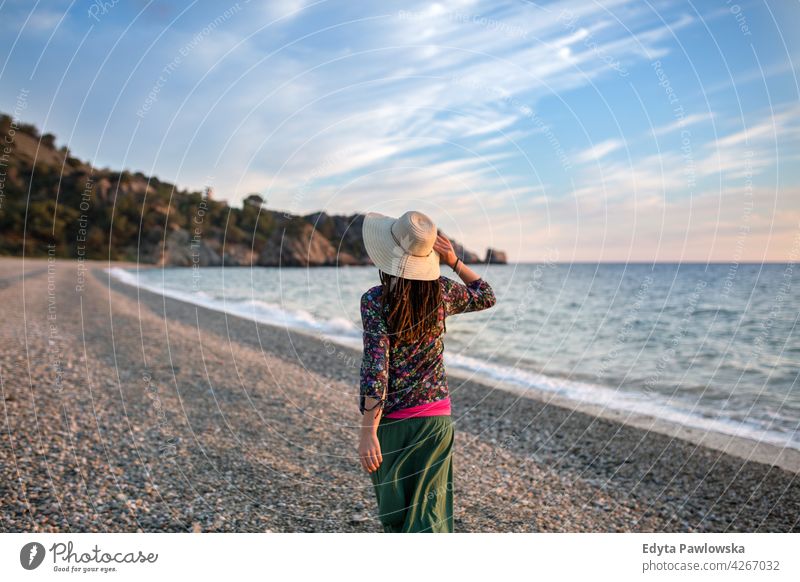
(682, 123)
(45, 19)
(784, 122)
(284, 9)
(30, 18)
(598, 151)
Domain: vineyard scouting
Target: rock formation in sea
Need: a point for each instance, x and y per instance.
(495, 256)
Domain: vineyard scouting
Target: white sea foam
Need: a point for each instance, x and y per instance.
(335, 329)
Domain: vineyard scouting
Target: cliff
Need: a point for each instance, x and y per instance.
(48, 197)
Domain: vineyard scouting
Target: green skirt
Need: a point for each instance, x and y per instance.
(414, 483)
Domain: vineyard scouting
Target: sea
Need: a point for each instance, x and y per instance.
(710, 346)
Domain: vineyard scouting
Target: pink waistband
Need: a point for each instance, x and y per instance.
(437, 408)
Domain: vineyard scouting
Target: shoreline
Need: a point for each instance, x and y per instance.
(147, 413)
(745, 447)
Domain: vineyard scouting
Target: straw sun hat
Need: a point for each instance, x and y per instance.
(403, 246)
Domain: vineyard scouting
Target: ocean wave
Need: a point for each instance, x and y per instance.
(346, 333)
(688, 415)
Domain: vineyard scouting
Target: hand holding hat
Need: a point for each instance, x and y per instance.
(444, 247)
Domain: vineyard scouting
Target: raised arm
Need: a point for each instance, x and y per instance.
(475, 295)
(448, 256)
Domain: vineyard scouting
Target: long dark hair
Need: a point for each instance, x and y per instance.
(411, 307)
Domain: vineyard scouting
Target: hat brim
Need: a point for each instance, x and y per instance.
(389, 257)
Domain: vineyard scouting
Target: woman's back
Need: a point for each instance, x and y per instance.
(405, 374)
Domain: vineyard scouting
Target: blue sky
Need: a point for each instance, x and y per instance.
(614, 131)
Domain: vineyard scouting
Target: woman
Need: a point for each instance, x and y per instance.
(406, 435)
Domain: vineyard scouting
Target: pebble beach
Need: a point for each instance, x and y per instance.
(127, 411)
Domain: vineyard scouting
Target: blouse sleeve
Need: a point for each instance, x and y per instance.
(460, 298)
(375, 361)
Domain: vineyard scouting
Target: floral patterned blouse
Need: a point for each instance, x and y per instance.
(402, 374)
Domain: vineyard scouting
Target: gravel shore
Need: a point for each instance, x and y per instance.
(127, 411)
